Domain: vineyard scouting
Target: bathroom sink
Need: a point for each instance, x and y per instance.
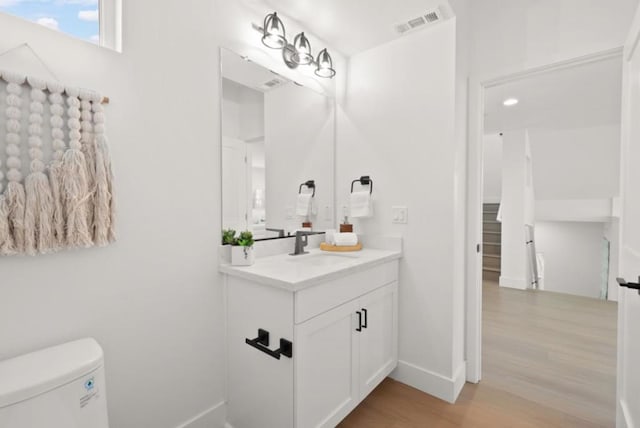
(322, 259)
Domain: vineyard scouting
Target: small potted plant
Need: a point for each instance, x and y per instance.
(228, 239)
(228, 236)
(242, 250)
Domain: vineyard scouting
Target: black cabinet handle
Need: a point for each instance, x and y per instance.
(359, 321)
(631, 285)
(364, 311)
(261, 343)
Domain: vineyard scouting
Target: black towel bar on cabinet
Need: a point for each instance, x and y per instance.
(261, 343)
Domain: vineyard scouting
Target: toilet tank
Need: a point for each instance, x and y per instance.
(58, 387)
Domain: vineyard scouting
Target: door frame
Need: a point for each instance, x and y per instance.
(473, 288)
(623, 418)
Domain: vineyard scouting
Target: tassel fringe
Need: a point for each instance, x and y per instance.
(103, 202)
(39, 235)
(16, 199)
(55, 179)
(76, 196)
(7, 247)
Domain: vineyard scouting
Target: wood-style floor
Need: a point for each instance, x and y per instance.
(549, 360)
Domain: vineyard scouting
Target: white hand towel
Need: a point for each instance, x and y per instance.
(303, 205)
(345, 239)
(360, 204)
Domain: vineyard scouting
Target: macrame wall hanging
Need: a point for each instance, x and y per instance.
(64, 197)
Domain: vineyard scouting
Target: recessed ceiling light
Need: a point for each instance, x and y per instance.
(509, 102)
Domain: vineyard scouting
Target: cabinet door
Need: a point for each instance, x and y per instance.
(326, 349)
(260, 387)
(379, 338)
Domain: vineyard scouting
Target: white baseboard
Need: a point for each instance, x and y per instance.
(443, 387)
(213, 417)
(623, 419)
(519, 283)
(459, 379)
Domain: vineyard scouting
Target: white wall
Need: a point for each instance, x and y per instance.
(242, 111)
(299, 146)
(572, 254)
(511, 35)
(568, 165)
(492, 168)
(396, 124)
(598, 210)
(154, 299)
(513, 270)
(576, 163)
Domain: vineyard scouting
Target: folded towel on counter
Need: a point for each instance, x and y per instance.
(303, 205)
(360, 204)
(346, 239)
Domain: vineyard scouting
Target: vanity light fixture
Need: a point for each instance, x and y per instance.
(302, 48)
(298, 53)
(273, 33)
(324, 65)
(510, 102)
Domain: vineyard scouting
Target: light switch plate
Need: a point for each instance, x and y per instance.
(400, 215)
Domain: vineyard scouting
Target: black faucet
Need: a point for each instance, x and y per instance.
(280, 231)
(301, 242)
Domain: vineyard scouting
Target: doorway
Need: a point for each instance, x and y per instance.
(549, 231)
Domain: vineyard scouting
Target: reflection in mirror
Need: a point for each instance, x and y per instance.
(276, 136)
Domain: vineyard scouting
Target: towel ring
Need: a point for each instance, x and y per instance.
(309, 184)
(365, 180)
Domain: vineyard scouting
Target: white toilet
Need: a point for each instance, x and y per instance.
(58, 387)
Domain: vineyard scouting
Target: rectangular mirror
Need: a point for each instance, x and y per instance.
(277, 137)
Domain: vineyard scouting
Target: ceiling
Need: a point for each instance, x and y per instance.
(589, 95)
(352, 26)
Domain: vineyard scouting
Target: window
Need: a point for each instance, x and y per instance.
(95, 21)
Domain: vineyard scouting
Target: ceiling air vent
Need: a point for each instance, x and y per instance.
(423, 21)
(414, 23)
(273, 83)
(432, 17)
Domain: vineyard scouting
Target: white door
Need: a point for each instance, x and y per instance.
(628, 411)
(378, 338)
(235, 186)
(326, 364)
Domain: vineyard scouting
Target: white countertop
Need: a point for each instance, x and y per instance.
(295, 273)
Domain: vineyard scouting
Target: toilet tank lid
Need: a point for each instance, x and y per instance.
(30, 375)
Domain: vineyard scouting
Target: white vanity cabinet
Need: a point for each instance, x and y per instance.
(342, 355)
(343, 334)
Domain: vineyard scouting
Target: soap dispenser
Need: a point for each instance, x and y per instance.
(346, 227)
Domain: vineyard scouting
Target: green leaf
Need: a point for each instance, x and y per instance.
(245, 239)
(228, 237)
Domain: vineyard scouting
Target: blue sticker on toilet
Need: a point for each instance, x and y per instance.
(89, 383)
